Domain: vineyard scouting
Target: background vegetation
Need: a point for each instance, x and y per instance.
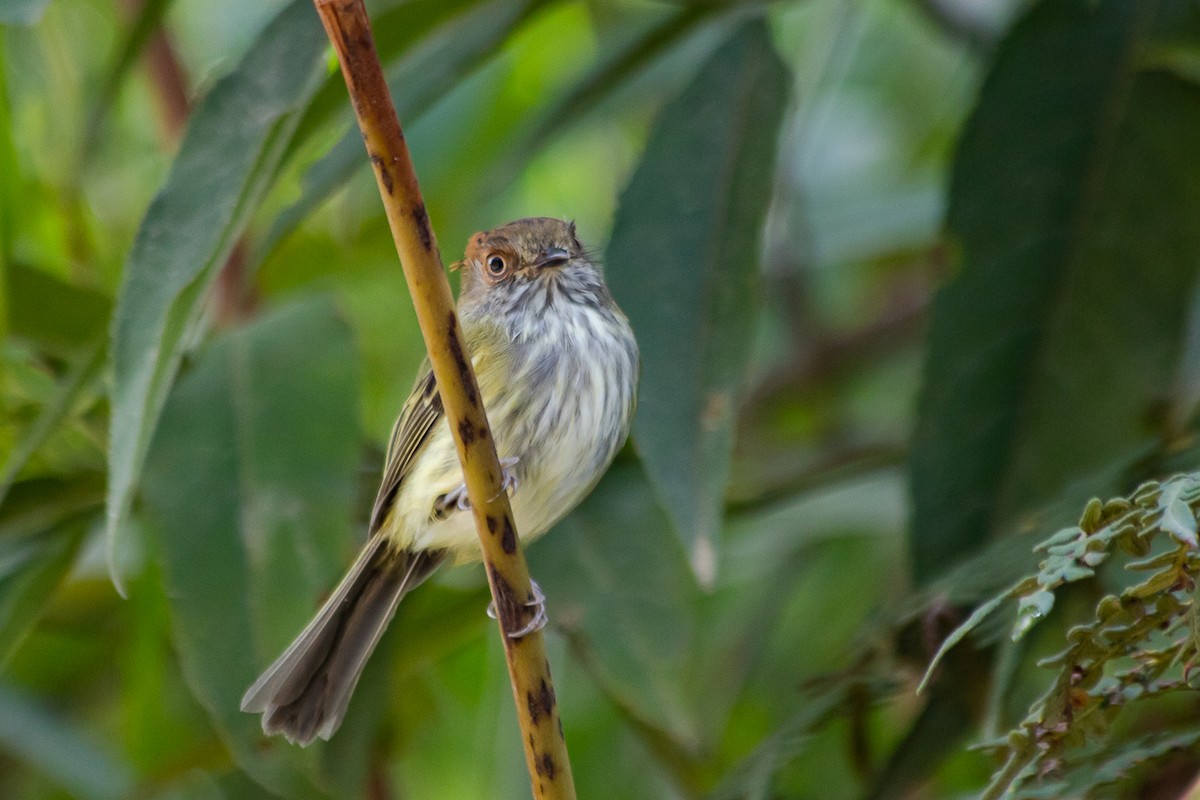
(913, 279)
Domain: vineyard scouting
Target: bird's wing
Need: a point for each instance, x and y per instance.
(422, 412)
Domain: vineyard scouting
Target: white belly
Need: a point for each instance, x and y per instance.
(563, 416)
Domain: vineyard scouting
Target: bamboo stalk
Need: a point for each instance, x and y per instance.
(349, 30)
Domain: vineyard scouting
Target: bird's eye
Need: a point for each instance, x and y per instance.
(496, 266)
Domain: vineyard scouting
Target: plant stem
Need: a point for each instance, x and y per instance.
(349, 30)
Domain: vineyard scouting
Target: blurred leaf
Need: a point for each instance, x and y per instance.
(396, 29)
(162, 726)
(1181, 59)
(229, 154)
(9, 183)
(150, 16)
(30, 571)
(205, 786)
(79, 377)
(21, 12)
(34, 505)
(1185, 393)
(250, 486)
(616, 578)
(1112, 765)
(752, 778)
(783, 580)
(961, 632)
(51, 313)
(1051, 351)
(598, 84)
(454, 49)
(949, 714)
(33, 733)
(683, 261)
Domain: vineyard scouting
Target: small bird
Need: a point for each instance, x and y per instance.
(557, 367)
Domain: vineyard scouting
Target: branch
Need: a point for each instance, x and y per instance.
(349, 30)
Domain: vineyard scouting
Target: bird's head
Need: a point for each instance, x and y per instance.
(535, 249)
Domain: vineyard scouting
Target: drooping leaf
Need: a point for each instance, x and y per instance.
(961, 632)
(458, 45)
(41, 738)
(229, 153)
(683, 262)
(250, 487)
(1051, 351)
(30, 571)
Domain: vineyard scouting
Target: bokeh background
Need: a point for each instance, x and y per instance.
(913, 280)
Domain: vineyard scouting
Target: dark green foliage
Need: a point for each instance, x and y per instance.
(1051, 353)
(683, 260)
(227, 159)
(251, 475)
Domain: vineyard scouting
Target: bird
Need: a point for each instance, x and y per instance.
(557, 365)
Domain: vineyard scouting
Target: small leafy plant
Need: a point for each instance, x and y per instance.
(1140, 644)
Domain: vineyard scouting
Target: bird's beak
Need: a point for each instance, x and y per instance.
(553, 257)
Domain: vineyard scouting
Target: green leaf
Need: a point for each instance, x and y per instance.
(250, 487)
(396, 30)
(205, 786)
(10, 181)
(228, 156)
(619, 581)
(1113, 764)
(21, 12)
(52, 314)
(751, 778)
(30, 570)
(1177, 516)
(683, 263)
(938, 731)
(35, 505)
(149, 18)
(427, 72)
(33, 733)
(624, 64)
(972, 622)
(79, 377)
(1049, 354)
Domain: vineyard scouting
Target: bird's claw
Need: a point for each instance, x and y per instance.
(539, 615)
(509, 482)
(457, 498)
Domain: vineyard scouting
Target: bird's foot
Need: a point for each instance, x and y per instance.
(457, 499)
(539, 615)
(509, 480)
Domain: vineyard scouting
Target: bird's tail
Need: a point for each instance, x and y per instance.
(304, 694)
